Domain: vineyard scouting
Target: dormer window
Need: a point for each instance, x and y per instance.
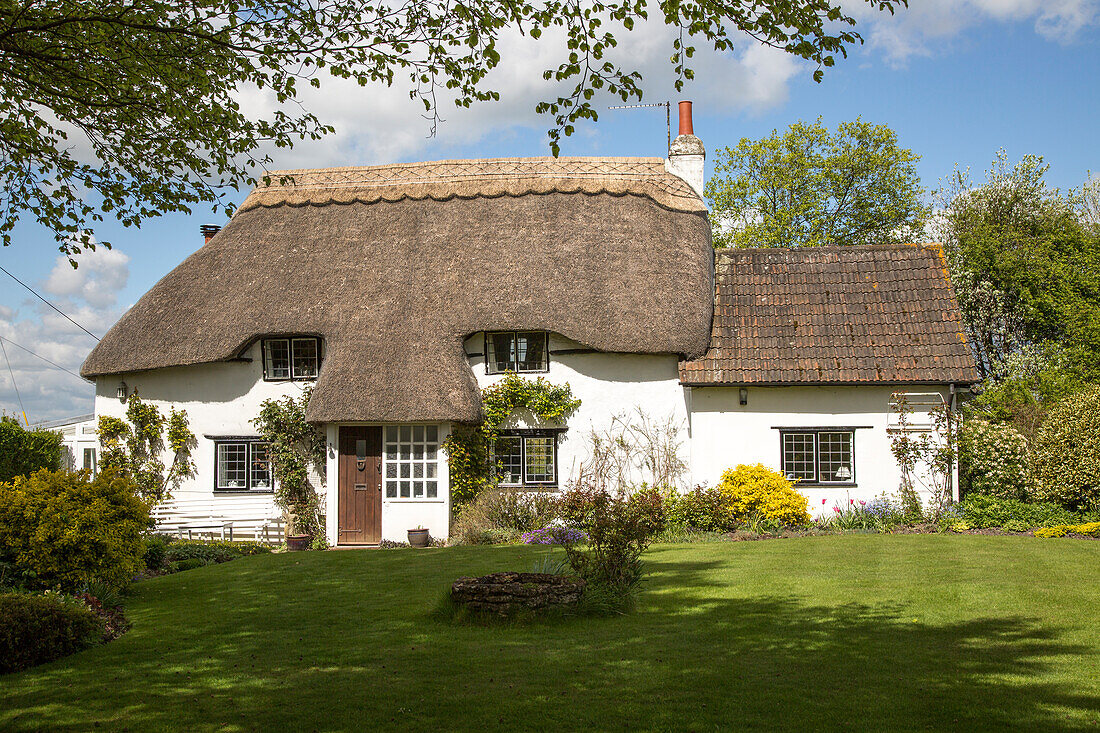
(291, 358)
(516, 351)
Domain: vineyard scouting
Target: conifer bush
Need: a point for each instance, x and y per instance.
(63, 529)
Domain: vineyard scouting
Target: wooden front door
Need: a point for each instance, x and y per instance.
(360, 496)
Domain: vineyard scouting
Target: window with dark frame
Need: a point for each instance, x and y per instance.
(818, 456)
(242, 465)
(516, 351)
(291, 358)
(527, 460)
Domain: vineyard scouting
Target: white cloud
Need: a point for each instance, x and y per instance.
(379, 125)
(926, 25)
(101, 274)
(89, 295)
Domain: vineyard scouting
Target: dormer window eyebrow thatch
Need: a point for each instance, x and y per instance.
(291, 359)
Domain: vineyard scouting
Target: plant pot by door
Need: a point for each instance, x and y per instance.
(297, 542)
(419, 537)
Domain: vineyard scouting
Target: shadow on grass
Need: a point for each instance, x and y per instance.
(346, 642)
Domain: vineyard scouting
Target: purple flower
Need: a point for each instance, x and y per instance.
(554, 536)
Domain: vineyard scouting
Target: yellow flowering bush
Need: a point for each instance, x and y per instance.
(1091, 529)
(758, 492)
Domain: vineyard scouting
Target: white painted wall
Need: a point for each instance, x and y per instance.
(76, 436)
(220, 400)
(726, 433)
(607, 385)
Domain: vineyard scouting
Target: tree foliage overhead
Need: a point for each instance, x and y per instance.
(1025, 263)
(809, 187)
(122, 109)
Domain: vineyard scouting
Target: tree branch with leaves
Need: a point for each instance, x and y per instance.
(110, 108)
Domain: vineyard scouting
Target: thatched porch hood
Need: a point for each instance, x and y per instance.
(395, 265)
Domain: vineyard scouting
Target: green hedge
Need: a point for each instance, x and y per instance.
(166, 553)
(23, 452)
(64, 529)
(40, 628)
(983, 512)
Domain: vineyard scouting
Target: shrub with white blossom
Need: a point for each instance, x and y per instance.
(995, 460)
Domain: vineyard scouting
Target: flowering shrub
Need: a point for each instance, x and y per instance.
(759, 492)
(554, 536)
(994, 460)
(1067, 452)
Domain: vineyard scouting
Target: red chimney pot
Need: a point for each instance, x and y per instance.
(685, 119)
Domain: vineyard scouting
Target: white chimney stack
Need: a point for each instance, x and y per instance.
(686, 155)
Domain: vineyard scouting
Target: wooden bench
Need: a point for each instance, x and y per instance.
(223, 517)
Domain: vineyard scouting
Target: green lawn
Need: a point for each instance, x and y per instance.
(851, 632)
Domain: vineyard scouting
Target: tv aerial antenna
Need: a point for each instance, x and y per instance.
(668, 115)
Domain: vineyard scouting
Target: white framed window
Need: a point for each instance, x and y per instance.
(291, 358)
(242, 465)
(516, 351)
(89, 460)
(818, 456)
(526, 459)
(411, 462)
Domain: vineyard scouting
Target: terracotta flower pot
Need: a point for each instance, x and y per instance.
(419, 537)
(297, 542)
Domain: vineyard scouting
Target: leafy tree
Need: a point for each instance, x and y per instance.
(1026, 268)
(134, 448)
(114, 108)
(808, 187)
(22, 452)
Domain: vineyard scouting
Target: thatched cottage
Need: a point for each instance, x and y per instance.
(398, 292)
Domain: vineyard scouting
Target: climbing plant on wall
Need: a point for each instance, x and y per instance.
(134, 447)
(296, 445)
(468, 447)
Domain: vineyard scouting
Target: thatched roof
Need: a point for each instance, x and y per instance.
(394, 266)
(838, 315)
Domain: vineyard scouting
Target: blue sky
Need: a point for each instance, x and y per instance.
(957, 79)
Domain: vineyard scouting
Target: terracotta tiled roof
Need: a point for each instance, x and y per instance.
(833, 315)
(489, 178)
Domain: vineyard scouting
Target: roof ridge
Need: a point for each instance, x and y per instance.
(836, 248)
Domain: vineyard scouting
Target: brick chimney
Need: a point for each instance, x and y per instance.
(208, 232)
(686, 155)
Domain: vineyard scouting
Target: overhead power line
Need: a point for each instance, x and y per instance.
(13, 384)
(35, 294)
(53, 364)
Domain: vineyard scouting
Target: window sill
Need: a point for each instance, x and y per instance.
(244, 492)
(807, 485)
